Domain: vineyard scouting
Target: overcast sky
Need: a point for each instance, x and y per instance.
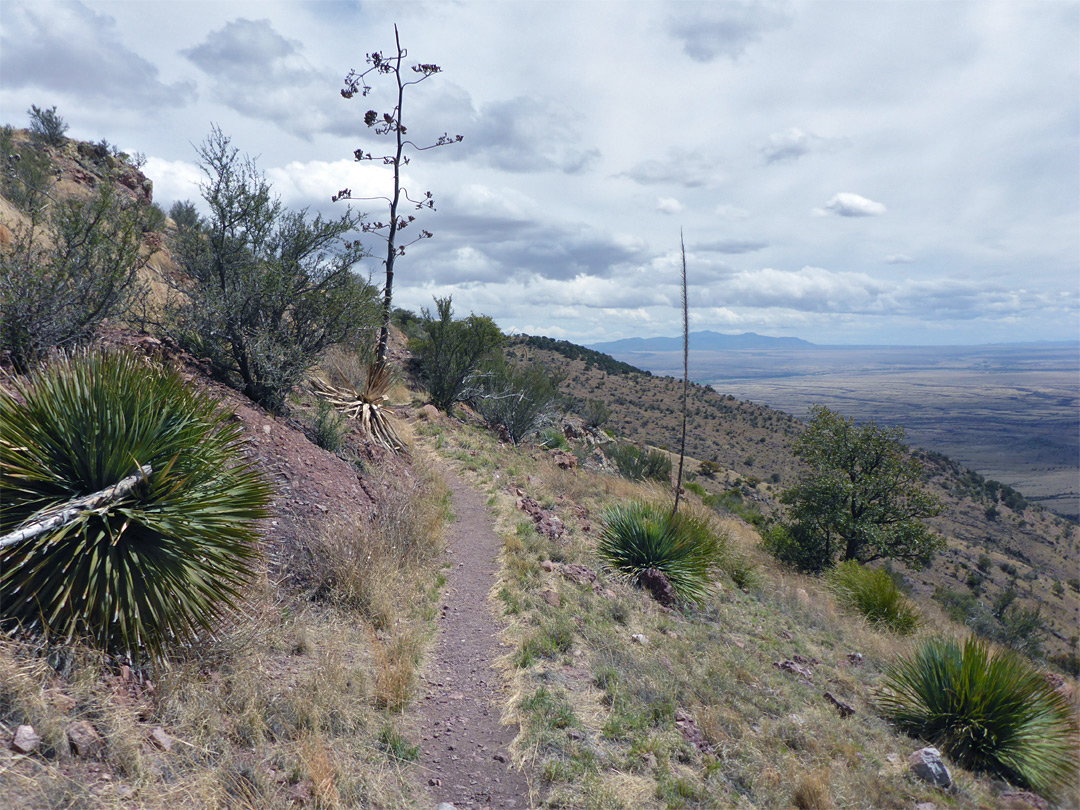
(844, 172)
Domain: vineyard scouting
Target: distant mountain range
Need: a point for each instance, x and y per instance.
(701, 341)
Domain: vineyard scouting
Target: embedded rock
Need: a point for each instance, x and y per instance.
(927, 765)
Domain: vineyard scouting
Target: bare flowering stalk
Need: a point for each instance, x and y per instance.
(392, 124)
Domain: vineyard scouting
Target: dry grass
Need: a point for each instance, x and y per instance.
(286, 705)
(598, 711)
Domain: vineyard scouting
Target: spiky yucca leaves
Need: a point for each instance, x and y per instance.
(638, 536)
(872, 592)
(987, 709)
(156, 566)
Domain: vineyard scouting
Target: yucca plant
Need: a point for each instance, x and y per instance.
(872, 592)
(639, 536)
(988, 709)
(157, 565)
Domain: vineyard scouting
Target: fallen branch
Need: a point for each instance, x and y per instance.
(73, 508)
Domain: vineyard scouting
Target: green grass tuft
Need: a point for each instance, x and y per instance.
(640, 536)
(873, 593)
(987, 709)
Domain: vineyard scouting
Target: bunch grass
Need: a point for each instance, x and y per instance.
(987, 708)
(874, 594)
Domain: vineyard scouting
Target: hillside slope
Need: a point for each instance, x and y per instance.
(995, 539)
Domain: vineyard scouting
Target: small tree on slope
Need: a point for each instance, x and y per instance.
(860, 500)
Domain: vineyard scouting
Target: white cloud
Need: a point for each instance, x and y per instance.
(668, 205)
(898, 258)
(846, 204)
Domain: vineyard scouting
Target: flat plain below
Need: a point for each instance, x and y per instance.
(1009, 412)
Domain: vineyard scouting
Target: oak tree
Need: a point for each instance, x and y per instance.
(861, 498)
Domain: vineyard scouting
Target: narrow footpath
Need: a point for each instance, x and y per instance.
(464, 750)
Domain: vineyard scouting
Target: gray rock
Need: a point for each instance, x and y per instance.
(445, 806)
(927, 765)
(26, 740)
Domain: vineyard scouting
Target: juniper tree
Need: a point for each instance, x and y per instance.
(392, 123)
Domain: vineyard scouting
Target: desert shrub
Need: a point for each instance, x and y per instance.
(450, 351)
(709, 468)
(731, 501)
(595, 413)
(185, 214)
(1021, 628)
(27, 172)
(155, 566)
(70, 269)
(987, 709)
(641, 465)
(872, 592)
(153, 218)
(46, 126)
(553, 439)
(519, 399)
(688, 550)
(797, 547)
(265, 290)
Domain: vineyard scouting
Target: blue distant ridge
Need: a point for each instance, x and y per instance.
(702, 341)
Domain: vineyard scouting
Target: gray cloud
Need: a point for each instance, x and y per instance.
(524, 134)
(261, 74)
(686, 168)
(708, 30)
(492, 247)
(730, 246)
(68, 49)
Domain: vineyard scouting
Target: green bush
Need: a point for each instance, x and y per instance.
(265, 291)
(519, 399)
(161, 563)
(595, 414)
(185, 215)
(639, 536)
(73, 267)
(46, 126)
(988, 710)
(449, 352)
(641, 465)
(872, 592)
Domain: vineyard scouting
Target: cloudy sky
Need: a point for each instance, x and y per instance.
(844, 172)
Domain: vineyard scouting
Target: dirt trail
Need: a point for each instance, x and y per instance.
(464, 749)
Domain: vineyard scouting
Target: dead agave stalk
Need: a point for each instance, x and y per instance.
(368, 407)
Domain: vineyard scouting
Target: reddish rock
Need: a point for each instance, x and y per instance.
(1016, 799)
(656, 582)
(691, 732)
(551, 597)
(563, 460)
(85, 741)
